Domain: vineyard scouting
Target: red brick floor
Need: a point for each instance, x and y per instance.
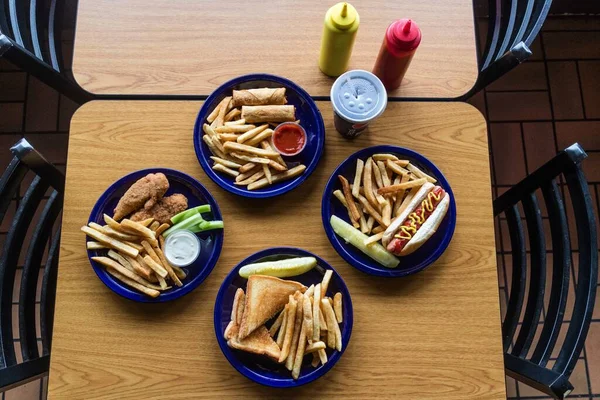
(536, 110)
(541, 107)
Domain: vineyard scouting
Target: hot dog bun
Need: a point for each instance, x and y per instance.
(428, 228)
(389, 233)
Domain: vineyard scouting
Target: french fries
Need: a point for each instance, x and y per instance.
(289, 332)
(293, 330)
(110, 242)
(237, 145)
(383, 185)
(135, 255)
(337, 307)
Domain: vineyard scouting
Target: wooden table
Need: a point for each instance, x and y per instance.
(433, 335)
(185, 47)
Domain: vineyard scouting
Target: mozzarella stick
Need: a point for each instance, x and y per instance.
(261, 96)
(280, 113)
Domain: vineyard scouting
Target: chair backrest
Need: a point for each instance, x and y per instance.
(30, 38)
(22, 256)
(525, 359)
(512, 28)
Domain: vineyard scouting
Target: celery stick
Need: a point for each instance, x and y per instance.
(190, 212)
(207, 226)
(185, 224)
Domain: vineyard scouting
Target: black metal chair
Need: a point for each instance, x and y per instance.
(525, 360)
(30, 39)
(28, 161)
(513, 26)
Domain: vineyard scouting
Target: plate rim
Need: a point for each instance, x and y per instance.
(341, 251)
(239, 366)
(203, 112)
(185, 289)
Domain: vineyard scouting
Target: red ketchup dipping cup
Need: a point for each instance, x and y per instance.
(289, 138)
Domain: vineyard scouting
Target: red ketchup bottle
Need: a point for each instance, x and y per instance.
(401, 40)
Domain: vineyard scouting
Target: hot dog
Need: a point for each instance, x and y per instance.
(419, 221)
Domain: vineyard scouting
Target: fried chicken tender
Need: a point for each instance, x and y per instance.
(164, 209)
(143, 193)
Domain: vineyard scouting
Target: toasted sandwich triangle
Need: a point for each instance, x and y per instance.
(265, 297)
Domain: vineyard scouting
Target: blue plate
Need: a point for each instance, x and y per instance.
(258, 368)
(211, 241)
(413, 263)
(306, 111)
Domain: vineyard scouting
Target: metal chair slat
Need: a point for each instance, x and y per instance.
(517, 290)
(30, 276)
(48, 294)
(561, 267)
(537, 276)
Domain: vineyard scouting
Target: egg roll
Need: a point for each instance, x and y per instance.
(261, 114)
(259, 97)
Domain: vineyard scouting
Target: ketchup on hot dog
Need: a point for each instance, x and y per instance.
(415, 219)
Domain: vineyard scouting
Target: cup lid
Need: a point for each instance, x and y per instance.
(358, 96)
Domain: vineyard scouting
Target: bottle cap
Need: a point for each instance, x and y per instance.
(343, 15)
(403, 35)
(358, 96)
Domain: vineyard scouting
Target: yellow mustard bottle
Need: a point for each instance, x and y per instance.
(339, 32)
